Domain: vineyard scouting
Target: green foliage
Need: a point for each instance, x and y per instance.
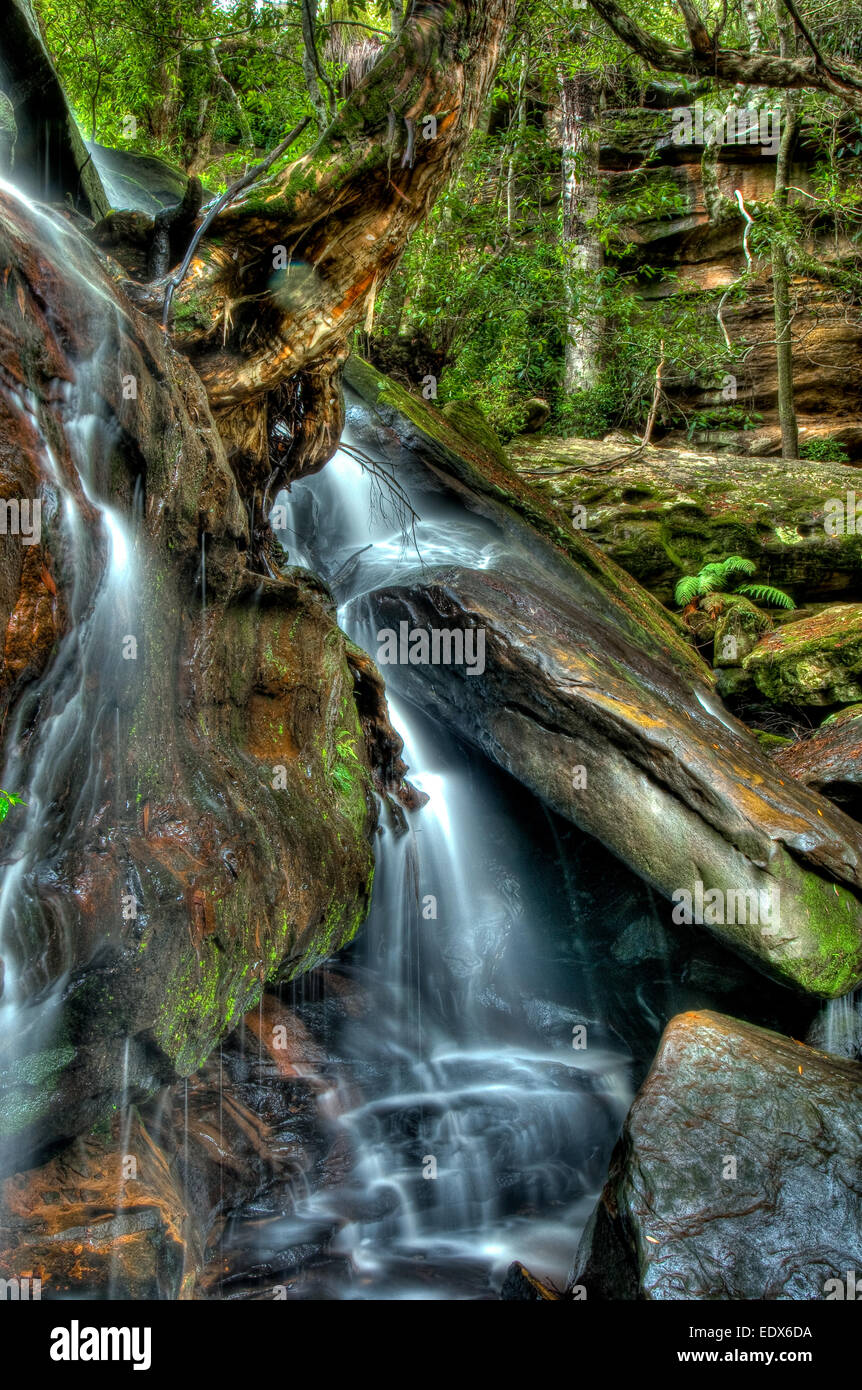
(346, 761)
(722, 417)
(825, 451)
(617, 398)
(723, 577)
(652, 196)
(202, 83)
(7, 801)
(767, 594)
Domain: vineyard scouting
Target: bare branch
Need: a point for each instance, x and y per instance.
(755, 69)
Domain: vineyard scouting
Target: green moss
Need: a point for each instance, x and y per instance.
(834, 914)
(30, 1086)
(768, 741)
(19, 1108)
(35, 1067)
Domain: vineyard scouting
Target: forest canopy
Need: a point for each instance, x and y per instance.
(550, 266)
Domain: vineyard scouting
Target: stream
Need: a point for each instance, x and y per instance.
(498, 1031)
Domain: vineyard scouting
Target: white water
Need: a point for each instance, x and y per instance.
(838, 1027)
(467, 1068)
(52, 743)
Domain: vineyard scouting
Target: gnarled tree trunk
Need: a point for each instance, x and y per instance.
(283, 276)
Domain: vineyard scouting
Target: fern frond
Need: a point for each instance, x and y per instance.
(712, 583)
(765, 593)
(686, 590)
(738, 564)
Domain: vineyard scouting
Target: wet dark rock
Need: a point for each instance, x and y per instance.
(672, 1222)
(102, 1219)
(139, 182)
(520, 1286)
(589, 695)
(49, 159)
(641, 941)
(219, 780)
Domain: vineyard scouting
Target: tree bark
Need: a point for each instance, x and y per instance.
(311, 64)
(340, 216)
(581, 246)
(780, 267)
(519, 123)
(755, 69)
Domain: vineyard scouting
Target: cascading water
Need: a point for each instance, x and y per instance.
(838, 1027)
(478, 1127)
(53, 741)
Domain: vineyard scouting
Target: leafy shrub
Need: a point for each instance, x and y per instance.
(824, 451)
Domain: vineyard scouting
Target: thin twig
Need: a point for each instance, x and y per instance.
(219, 205)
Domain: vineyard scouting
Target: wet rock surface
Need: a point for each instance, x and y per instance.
(103, 1219)
(725, 1097)
(666, 511)
(578, 675)
(817, 661)
(189, 722)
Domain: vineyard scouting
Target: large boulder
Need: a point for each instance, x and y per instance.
(663, 512)
(737, 1173)
(48, 157)
(817, 661)
(590, 696)
(140, 182)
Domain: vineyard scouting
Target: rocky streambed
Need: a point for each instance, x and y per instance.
(208, 1091)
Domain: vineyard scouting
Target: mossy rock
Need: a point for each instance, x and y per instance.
(470, 422)
(663, 512)
(843, 716)
(739, 627)
(770, 743)
(732, 682)
(814, 662)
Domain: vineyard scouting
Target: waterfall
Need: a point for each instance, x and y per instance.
(51, 744)
(838, 1027)
(479, 1129)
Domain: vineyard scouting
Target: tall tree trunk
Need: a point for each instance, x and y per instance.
(311, 63)
(752, 24)
(519, 123)
(50, 160)
(582, 248)
(780, 267)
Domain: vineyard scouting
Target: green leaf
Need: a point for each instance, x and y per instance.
(765, 593)
(686, 590)
(7, 801)
(738, 564)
